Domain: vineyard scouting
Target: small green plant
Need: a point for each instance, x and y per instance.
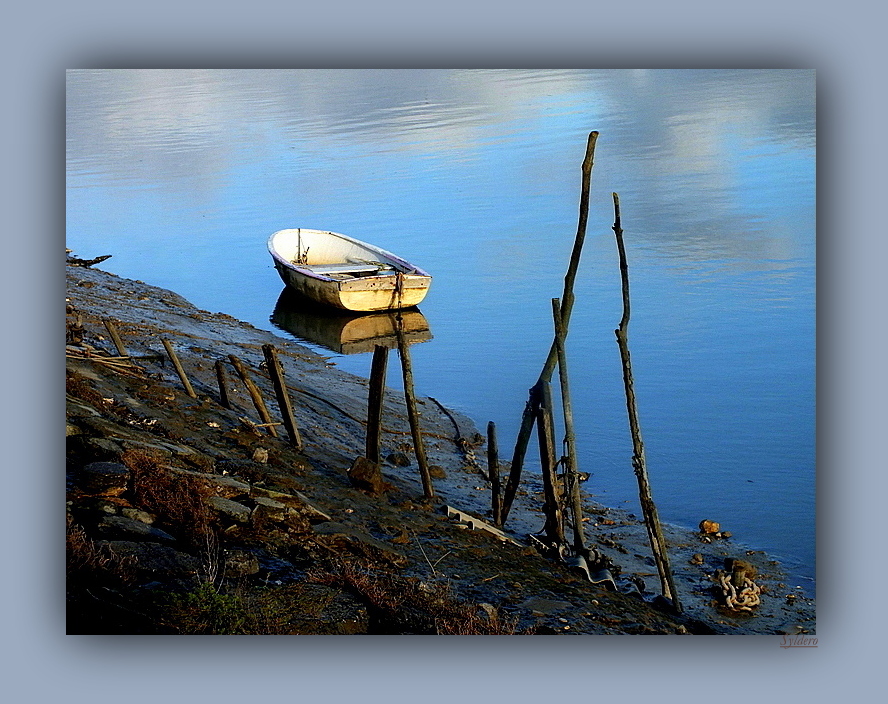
(208, 611)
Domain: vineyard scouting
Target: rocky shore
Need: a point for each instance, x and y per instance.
(186, 516)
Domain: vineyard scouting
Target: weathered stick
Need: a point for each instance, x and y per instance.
(222, 378)
(571, 472)
(276, 371)
(115, 337)
(255, 394)
(527, 418)
(374, 401)
(178, 366)
(494, 472)
(413, 415)
(651, 518)
(554, 527)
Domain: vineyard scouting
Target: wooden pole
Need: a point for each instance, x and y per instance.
(115, 337)
(222, 378)
(527, 418)
(639, 465)
(285, 405)
(179, 369)
(374, 401)
(255, 395)
(494, 472)
(571, 471)
(412, 414)
(554, 527)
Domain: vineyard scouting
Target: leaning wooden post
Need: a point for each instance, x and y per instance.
(412, 414)
(376, 392)
(222, 378)
(572, 473)
(179, 369)
(527, 418)
(255, 395)
(493, 472)
(554, 527)
(276, 372)
(651, 518)
(115, 337)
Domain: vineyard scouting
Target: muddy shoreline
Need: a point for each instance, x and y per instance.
(316, 525)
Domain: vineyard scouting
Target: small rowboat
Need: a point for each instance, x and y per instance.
(344, 272)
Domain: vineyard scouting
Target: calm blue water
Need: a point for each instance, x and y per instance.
(474, 175)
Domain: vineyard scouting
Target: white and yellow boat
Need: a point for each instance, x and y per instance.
(344, 272)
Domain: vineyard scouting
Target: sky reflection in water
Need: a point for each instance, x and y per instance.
(474, 175)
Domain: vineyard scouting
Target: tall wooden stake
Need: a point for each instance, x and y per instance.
(179, 369)
(376, 393)
(572, 474)
(412, 414)
(115, 337)
(651, 518)
(222, 378)
(276, 371)
(255, 395)
(493, 472)
(527, 418)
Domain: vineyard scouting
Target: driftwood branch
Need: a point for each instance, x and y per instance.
(567, 298)
(571, 470)
(651, 518)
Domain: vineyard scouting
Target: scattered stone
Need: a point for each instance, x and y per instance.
(696, 559)
(153, 560)
(227, 487)
(269, 509)
(437, 472)
(740, 571)
(103, 478)
(230, 509)
(398, 459)
(123, 528)
(240, 563)
(367, 476)
(709, 527)
(260, 455)
(138, 515)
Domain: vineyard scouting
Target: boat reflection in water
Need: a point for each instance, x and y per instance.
(346, 332)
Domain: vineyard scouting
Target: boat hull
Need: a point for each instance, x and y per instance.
(397, 283)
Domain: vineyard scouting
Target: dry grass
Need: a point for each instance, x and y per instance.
(399, 600)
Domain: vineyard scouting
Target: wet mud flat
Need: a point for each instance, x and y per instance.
(185, 516)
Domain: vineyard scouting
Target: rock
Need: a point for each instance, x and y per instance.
(138, 515)
(153, 561)
(124, 528)
(488, 611)
(227, 487)
(740, 571)
(696, 559)
(103, 478)
(709, 527)
(367, 476)
(240, 563)
(398, 459)
(296, 502)
(231, 510)
(260, 455)
(437, 472)
(269, 510)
